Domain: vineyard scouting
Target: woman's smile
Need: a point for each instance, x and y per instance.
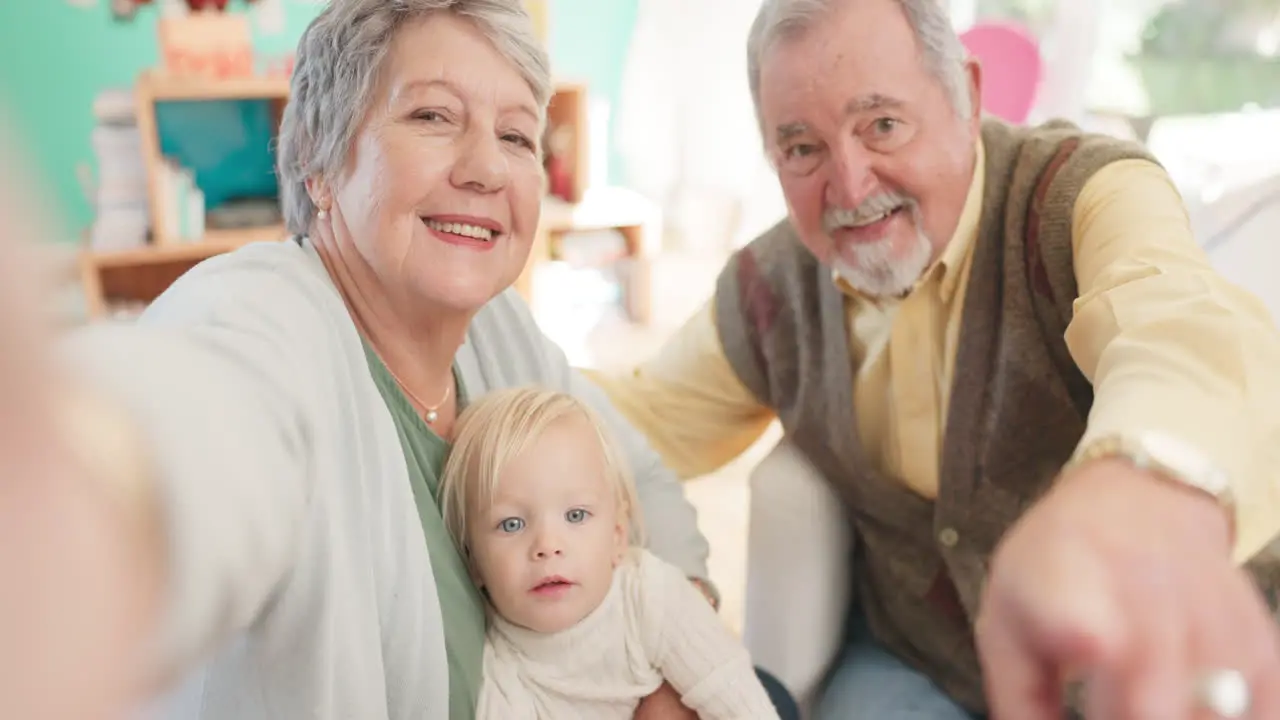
(465, 230)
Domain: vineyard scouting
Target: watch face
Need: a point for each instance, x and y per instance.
(1190, 465)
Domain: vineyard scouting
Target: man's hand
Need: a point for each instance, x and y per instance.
(1123, 580)
(664, 704)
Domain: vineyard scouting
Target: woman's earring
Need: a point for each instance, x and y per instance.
(322, 214)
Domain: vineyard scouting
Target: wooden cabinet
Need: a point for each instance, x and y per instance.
(140, 275)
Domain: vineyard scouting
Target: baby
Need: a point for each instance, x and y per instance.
(584, 622)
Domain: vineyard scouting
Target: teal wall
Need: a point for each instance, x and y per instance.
(56, 57)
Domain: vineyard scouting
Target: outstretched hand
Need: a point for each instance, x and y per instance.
(1123, 580)
(72, 608)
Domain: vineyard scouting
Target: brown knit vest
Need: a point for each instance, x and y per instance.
(1018, 402)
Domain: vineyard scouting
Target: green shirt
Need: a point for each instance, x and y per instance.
(461, 606)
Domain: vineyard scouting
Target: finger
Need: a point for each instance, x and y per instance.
(1019, 684)
(1233, 629)
(1046, 627)
(1071, 616)
(1262, 649)
(1150, 681)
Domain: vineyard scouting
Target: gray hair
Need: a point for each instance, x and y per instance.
(940, 46)
(336, 72)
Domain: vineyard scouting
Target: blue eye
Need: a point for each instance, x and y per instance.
(511, 525)
(577, 515)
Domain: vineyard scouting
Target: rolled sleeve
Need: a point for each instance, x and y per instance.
(1172, 346)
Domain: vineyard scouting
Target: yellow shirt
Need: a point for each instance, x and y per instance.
(1168, 344)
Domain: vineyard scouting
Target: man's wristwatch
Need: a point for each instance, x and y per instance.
(1166, 457)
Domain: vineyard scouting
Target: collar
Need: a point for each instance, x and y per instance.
(551, 648)
(948, 265)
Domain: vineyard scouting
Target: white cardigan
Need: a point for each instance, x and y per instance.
(301, 585)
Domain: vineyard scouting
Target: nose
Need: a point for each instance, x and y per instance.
(547, 544)
(481, 164)
(852, 175)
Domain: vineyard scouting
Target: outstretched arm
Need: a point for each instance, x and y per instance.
(688, 401)
(218, 398)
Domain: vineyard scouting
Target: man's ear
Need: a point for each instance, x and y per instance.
(973, 77)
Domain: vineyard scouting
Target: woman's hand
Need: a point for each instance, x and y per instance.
(76, 590)
(664, 704)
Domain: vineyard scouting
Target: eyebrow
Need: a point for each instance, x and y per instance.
(787, 131)
(860, 104)
(415, 85)
(874, 101)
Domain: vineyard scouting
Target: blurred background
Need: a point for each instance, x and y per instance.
(151, 123)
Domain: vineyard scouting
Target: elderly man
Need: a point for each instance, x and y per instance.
(1055, 427)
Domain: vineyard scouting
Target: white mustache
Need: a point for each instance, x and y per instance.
(870, 209)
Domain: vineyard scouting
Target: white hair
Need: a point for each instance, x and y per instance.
(336, 71)
(496, 430)
(940, 46)
(879, 269)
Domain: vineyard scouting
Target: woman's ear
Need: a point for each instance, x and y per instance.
(318, 191)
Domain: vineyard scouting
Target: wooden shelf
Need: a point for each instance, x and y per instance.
(636, 218)
(600, 209)
(159, 86)
(215, 242)
(141, 274)
(155, 86)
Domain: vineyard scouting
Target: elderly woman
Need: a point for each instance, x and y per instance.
(292, 402)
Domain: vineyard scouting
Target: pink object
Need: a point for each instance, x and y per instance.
(1011, 67)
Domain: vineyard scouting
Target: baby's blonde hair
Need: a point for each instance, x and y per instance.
(498, 428)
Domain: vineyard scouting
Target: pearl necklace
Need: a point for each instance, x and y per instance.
(431, 414)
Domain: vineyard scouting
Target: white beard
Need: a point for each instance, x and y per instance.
(875, 271)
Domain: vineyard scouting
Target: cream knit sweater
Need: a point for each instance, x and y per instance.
(652, 626)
